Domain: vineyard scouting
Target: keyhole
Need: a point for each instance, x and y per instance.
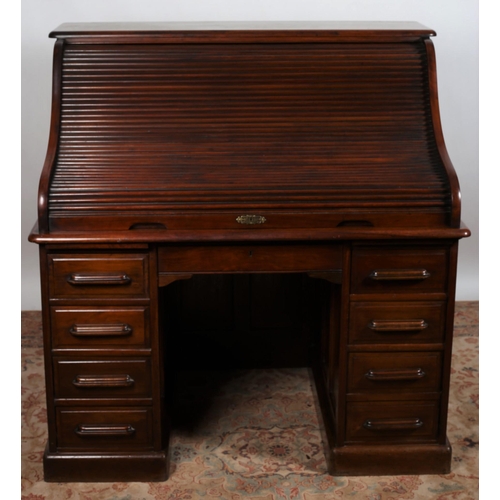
(250, 253)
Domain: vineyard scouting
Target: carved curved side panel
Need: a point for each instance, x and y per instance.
(438, 133)
(48, 166)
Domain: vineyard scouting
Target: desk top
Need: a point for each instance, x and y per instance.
(233, 31)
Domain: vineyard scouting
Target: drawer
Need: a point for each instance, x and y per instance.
(98, 275)
(99, 327)
(396, 322)
(118, 429)
(392, 422)
(248, 258)
(109, 378)
(389, 373)
(399, 269)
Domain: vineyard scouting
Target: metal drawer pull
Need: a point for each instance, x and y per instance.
(86, 381)
(99, 279)
(104, 430)
(115, 330)
(393, 424)
(399, 274)
(396, 325)
(394, 375)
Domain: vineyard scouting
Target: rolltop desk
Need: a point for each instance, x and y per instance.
(304, 153)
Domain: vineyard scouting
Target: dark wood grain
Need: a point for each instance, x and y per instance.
(244, 258)
(270, 194)
(78, 429)
(234, 129)
(237, 32)
(49, 164)
(262, 235)
(90, 327)
(99, 275)
(404, 269)
(438, 131)
(386, 422)
(397, 322)
(376, 374)
(102, 378)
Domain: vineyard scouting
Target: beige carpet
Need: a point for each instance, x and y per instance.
(259, 438)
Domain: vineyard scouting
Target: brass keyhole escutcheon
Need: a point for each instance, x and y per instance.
(250, 219)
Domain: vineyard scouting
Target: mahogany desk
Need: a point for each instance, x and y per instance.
(303, 161)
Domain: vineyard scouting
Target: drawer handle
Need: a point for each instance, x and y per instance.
(394, 375)
(115, 330)
(411, 325)
(104, 430)
(393, 424)
(98, 279)
(86, 381)
(399, 274)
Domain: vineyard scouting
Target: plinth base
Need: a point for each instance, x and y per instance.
(367, 460)
(105, 467)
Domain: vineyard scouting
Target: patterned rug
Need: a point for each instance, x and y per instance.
(259, 438)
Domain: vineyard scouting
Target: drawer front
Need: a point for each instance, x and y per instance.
(392, 422)
(92, 327)
(392, 373)
(98, 276)
(399, 270)
(396, 322)
(95, 430)
(248, 258)
(102, 378)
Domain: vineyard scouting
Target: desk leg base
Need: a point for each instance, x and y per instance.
(390, 460)
(105, 467)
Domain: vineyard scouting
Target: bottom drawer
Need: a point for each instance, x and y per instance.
(119, 429)
(394, 422)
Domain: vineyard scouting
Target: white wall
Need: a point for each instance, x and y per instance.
(455, 21)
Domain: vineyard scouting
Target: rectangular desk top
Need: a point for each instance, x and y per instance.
(235, 29)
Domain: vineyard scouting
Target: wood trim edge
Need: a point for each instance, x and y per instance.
(438, 134)
(48, 166)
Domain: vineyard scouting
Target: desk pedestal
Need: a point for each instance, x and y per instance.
(376, 321)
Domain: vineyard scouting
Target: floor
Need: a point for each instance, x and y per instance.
(258, 437)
